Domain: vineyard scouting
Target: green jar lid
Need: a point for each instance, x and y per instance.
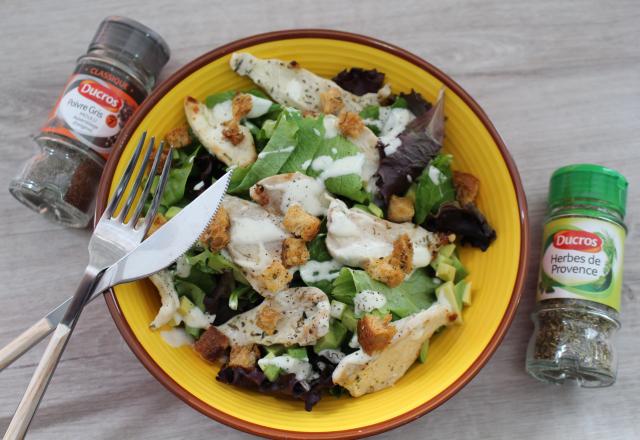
(588, 184)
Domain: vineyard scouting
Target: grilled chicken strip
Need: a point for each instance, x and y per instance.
(355, 237)
(296, 316)
(361, 373)
(209, 125)
(291, 85)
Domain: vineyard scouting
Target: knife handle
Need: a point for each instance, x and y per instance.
(44, 371)
(21, 344)
(38, 385)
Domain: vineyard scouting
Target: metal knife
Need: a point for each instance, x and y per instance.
(156, 251)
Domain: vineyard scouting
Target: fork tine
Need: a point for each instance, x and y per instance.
(157, 196)
(124, 181)
(137, 182)
(148, 185)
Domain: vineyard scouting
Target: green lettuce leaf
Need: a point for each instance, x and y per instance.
(400, 102)
(309, 138)
(207, 262)
(429, 194)
(318, 249)
(348, 185)
(273, 156)
(414, 294)
(204, 280)
(370, 112)
(194, 293)
(212, 100)
(181, 166)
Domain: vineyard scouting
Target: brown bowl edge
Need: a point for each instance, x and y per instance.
(168, 382)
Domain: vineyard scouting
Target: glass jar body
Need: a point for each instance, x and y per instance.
(574, 337)
(61, 180)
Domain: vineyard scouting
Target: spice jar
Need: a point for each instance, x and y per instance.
(578, 292)
(117, 73)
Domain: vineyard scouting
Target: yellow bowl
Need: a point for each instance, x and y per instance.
(454, 357)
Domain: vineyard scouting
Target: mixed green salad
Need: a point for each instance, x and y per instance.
(333, 259)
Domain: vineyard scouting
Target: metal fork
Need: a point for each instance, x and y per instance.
(112, 238)
(43, 327)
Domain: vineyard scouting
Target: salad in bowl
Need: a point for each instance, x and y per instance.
(333, 260)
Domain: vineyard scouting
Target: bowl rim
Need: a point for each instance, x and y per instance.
(252, 428)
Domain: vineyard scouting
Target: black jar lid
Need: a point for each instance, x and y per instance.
(134, 40)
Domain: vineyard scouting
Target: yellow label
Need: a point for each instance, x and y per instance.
(582, 259)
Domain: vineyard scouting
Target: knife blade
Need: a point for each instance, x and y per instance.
(169, 242)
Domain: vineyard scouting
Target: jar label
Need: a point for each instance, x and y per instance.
(93, 108)
(582, 259)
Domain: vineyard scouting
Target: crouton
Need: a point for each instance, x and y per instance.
(467, 186)
(163, 158)
(375, 333)
(259, 195)
(350, 124)
(241, 106)
(158, 221)
(212, 344)
(275, 277)
(383, 270)
(300, 223)
(244, 356)
(400, 209)
(232, 132)
(179, 137)
(402, 255)
(216, 236)
(331, 101)
(294, 252)
(268, 318)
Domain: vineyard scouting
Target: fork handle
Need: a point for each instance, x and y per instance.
(23, 342)
(41, 377)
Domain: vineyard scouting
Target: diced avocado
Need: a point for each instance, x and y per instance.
(297, 352)
(463, 293)
(333, 339)
(439, 260)
(446, 272)
(424, 350)
(275, 350)
(371, 208)
(271, 372)
(185, 306)
(447, 250)
(461, 271)
(268, 126)
(337, 309)
(171, 212)
(349, 319)
(447, 296)
(193, 331)
(375, 210)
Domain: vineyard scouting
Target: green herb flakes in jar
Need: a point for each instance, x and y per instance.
(580, 282)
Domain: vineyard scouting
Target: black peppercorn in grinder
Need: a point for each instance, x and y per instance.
(110, 81)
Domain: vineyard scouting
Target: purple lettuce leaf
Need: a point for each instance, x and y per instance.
(416, 104)
(360, 81)
(467, 222)
(286, 385)
(420, 142)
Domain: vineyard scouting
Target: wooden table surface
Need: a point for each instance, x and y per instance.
(559, 79)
